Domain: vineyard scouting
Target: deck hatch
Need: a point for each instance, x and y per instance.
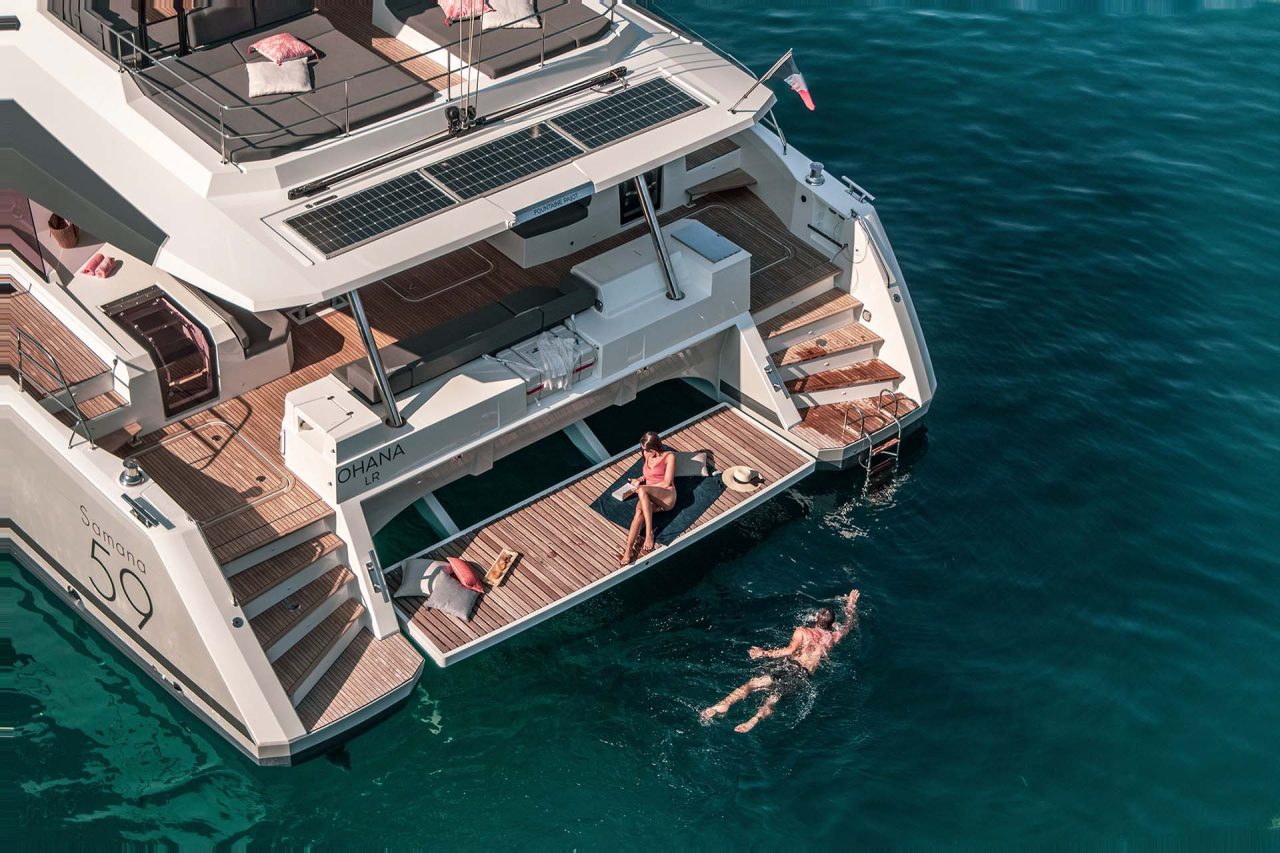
(503, 161)
(370, 213)
(634, 109)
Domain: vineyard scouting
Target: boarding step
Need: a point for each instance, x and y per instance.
(842, 424)
(824, 313)
(258, 587)
(841, 347)
(290, 619)
(709, 154)
(302, 665)
(287, 537)
(368, 670)
(863, 379)
(777, 298)
(734, 179)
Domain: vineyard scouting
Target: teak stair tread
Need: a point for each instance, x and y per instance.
(276, 621)
(862, 373)
(818, 308)
(96, 407)
(708, 153)
(839, 424)
(295, 665)
(254, 581)
(367, 670)
(732, 180)
(845, 338)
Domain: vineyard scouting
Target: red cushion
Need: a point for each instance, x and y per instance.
(281, 48)
(466, 575)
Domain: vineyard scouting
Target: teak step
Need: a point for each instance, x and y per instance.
(272, 624)
(838, 348)
(257, 580)
(856, 380)
(843, 424)
(830, 310)
(96, 407)
(732, 180)
(293, 667)
(366, 671)
(709, 153)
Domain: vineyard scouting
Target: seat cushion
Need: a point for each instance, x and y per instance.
(528, 298)
(220, 22)
(306, 29)
(373, 89)
(268, 12)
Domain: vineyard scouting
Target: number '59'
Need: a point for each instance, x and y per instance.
(134, 590)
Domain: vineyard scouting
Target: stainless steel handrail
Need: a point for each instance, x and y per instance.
(74, 409)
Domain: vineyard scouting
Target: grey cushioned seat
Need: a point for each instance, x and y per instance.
(276, 124)
(566, 25)
(121, 17)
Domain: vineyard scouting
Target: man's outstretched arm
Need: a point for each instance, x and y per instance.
(850, 616)
(797, 637)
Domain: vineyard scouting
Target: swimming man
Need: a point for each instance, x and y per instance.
(790, 666)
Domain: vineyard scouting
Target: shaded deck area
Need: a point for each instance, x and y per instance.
(569, 552)
(198, 470)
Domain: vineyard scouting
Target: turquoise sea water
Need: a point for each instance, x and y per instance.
(1071, 631)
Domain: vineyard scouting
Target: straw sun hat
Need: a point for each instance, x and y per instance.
(742, 478)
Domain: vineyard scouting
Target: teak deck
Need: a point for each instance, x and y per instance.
(569, 552)
(197, 472)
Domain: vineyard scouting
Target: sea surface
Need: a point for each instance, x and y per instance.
(1070, 631)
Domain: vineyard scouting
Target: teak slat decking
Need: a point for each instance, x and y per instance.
(835, 425)
(405, 304)
(566, 546)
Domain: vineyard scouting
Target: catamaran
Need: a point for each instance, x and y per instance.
(275, 272)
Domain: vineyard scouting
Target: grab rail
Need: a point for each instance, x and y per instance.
(53, 375)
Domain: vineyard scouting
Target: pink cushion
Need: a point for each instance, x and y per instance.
(457, 10)
(281, 48)
(466, 575)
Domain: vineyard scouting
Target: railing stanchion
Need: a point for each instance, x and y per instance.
(346, 109)
(222, 132)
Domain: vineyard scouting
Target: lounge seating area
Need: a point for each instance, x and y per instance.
(351, 86)
(566, 25)
(418, 359)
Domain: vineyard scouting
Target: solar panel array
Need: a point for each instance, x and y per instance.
(503, 161)
(370, 213)
(634, 109)
(404, 200)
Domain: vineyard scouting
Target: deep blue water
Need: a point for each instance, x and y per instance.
(1071, 627)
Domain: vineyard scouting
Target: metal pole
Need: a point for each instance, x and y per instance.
(655, 230)
(375, 360)
(184, 44)
(760, 80)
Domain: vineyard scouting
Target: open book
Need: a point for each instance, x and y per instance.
(624, 491)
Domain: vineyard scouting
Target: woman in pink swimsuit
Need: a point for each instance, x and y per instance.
(655, 492)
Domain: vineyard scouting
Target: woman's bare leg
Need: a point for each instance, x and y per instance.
(646, 506)
(634, 533)
(722, 707)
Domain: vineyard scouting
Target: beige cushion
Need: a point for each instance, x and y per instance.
(694, 464)
(287, 78)
(417, 575)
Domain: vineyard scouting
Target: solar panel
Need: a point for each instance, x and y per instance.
(370, 213)
(503, 161)
(626, 113)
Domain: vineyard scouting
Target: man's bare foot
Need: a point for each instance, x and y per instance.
(717, 710)
(743, 728)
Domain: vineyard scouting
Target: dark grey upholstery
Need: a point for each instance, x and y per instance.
(421, 358)
(268, 12)
(280, 123)
(219, 21)
(566, 25)
(121, 17)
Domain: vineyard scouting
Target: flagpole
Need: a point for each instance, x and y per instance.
(761, 79)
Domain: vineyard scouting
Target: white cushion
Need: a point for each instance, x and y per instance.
(514, 14)
(417, 575)
(287, 78)
(693, 464)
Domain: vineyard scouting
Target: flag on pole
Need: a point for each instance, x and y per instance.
(791, 74)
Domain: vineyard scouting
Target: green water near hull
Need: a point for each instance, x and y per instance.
(1071, 621)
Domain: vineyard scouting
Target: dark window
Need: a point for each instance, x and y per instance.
(630, 199)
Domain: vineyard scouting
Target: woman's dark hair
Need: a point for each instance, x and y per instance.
(825, 618)
(651, 441)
